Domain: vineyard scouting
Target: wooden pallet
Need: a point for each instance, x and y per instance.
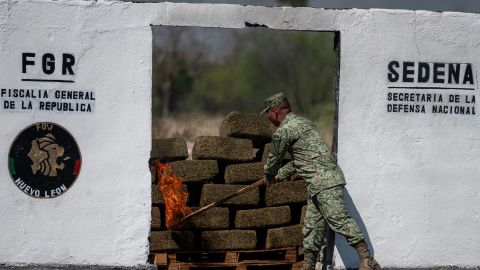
(286, 258)
(236, 266)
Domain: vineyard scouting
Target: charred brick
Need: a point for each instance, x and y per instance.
(156, 218)
(157, 197)
(172, 240)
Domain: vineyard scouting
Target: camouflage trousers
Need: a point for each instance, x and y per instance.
(327, 208)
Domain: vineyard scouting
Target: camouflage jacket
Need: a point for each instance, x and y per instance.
(311, 158)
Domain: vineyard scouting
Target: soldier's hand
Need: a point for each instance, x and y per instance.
(271, 180)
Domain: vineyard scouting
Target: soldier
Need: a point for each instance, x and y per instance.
(312, 160)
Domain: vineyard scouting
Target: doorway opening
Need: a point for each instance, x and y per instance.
(199, 77)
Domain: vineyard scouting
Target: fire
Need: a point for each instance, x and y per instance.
(173, 194)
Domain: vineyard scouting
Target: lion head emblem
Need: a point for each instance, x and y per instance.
(45, 155)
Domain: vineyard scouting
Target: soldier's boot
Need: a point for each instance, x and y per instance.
(309, 261)
(367, 262)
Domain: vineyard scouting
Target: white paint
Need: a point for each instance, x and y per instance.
(104, 217)
(412, 178)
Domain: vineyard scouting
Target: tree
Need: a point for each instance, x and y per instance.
(174, 66)
(302, 64)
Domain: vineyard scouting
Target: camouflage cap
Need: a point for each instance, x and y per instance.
(273, 101)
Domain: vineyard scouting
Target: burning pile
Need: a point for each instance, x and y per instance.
(174, 196)
(258, 219)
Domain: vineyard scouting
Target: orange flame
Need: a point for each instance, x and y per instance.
(173, 194)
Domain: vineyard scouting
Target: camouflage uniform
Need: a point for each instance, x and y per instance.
(312, 160)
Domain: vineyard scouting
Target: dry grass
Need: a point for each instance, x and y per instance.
(188, 126)
(192, 125)
(327, 134)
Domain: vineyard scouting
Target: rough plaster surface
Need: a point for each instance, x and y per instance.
(104, 217)
(412, 179)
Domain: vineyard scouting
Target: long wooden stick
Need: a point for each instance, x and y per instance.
(236, 193)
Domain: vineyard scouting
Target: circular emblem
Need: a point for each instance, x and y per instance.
(44, 160)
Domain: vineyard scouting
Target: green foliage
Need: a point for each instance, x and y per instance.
(226, 87)
(176, 62)
(301, 64)
(260, 62)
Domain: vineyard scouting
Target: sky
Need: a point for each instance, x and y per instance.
(472, 6)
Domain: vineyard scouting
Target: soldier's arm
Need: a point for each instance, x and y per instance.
(286, 171)
(278, 148)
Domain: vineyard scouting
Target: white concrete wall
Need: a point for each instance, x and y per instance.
(412, 180)
(413, 177)
(104, 217)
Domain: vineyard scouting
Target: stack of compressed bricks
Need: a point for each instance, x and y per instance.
(263, 218)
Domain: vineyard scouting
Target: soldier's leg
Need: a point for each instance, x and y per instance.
(332, 206)
(313, 235)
